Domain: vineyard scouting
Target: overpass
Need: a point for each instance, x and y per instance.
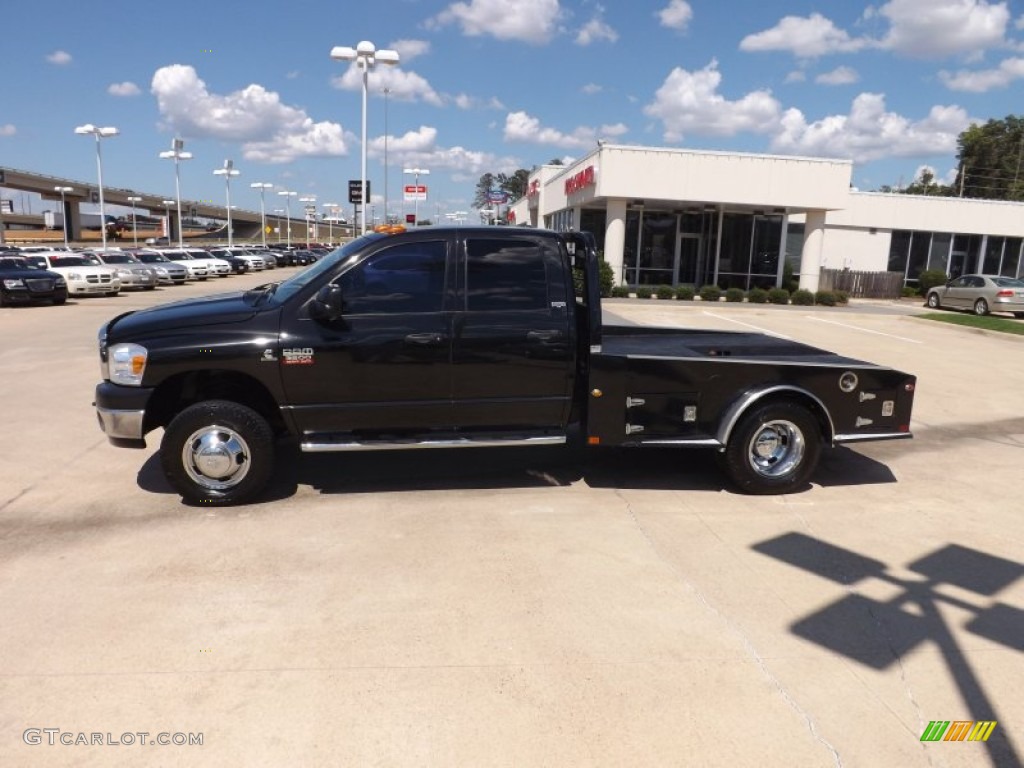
(245, 223)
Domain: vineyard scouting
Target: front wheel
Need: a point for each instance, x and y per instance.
(933, 301)
(773, 449)
(218, 453)
(981, 307)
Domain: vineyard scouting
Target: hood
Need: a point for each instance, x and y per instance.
(220, 309)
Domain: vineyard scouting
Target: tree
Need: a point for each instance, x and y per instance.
(925, 184)
(990, 160)
(484, 187)
(515, 185)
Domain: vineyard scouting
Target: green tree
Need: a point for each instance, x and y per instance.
(484, 187)
(990, 160)
(514, 185)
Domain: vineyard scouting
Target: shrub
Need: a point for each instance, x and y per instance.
(778, 296)
(710, 293)
(757, 296)
(620, 291)
(825, 298)
(842, 297)
(664, 292)
(685, 292)
(607, 277)
(909, 291)
(734, 294)
(788, 281)
(930, 278)
(644, 291)
(802, 297)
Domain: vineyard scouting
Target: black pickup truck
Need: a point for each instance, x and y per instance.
(467, 337)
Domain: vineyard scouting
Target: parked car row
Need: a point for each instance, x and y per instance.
(36, 274)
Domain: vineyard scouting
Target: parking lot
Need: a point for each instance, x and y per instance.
(512, 606)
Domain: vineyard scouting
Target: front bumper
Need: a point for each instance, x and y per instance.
(121, 412)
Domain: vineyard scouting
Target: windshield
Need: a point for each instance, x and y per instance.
(151, 258)
(12, 263)
(70, 261)
(293, 285)
(118, 258)
(1008, 282)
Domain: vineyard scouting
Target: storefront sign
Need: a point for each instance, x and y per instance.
(585, 178)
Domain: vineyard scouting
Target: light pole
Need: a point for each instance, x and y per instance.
(366, 54)
(167, 208)
(332, 209)
(64, 211)
(279, 211)
(176, 153)
(135, 222)
(100, 133)
(262, 186)
(288, 205)
(308, 200)
(387, 92)
(227, 172)
(415, 172)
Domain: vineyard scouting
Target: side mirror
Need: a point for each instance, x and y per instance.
(327, 304)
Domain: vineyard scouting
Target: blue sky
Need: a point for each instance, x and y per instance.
(490, 85)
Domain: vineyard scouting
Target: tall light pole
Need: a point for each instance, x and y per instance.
(332, 208)
(135, 222)
(64, 211)
(279, 211)
(227, 172)
(176, 153)
(262, 186)
(308, 200)
(288, 205)
(387, 92)
(167, 208)
(416, 172)
(367, 55)
(100, 133)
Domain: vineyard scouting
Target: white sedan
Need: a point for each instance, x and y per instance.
(83, 277)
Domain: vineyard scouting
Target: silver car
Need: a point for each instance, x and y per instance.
(167, 272)
(980, 294)
(133, 273)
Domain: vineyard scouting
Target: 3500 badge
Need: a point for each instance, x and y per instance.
(297, 356)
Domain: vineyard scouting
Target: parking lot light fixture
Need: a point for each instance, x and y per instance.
(227, 172)
(64, 210)
(100, 133)
(287, 195)
(133, 199)
(279, 211)
(332, 213)
(167, 208)
(262, 186)
(367, 55)
(310, 208)
(176, 153)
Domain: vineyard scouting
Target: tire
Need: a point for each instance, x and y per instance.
(773, 449)
(58, 301)
(239, 453)
(981, 307)
(111, 294)
(1018, 315)
(933, 301)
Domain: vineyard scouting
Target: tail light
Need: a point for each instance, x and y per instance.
(1005, 293)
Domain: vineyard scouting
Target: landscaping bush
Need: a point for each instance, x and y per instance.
(644, 291)
(825, 298)
(842, 297)
(757, 296)
(788, 281)
(778, 296)
(710, 293)
(620, 291)
(802, 297)
(664, 292)
(734, 294)
(685, 292)
(607, 278)
(930, 278)
(909, 291)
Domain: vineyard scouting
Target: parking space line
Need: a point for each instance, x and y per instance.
(748, 325)
(866, 330)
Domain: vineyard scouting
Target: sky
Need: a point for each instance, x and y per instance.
(490, 86)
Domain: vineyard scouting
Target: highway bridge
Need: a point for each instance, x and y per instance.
(245, 223)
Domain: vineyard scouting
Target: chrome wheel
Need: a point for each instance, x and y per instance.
(216, 458)
(981, 307)
(933, 300)
(776, 448)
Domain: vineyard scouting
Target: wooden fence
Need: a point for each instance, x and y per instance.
(862, 285)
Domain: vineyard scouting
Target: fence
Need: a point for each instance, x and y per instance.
(862, 285)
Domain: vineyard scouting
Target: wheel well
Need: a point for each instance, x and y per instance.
(798, 397)
(185, 389)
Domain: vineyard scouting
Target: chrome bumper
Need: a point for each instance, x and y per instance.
(120, 425)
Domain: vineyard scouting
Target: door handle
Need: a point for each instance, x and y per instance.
(424, 339)
(543, 335)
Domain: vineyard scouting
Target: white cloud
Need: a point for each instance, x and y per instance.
(869, 132)
(591, 88)
(410, 49)
(796, 76)
(270, 131)
(519, 126)
(404, 84)
(838, 76)
(8, 129)
(984, 80)
(127, 88)
(804, 37)
(60, 58)
(688, 102)
(292, 75)
(529, 21)
(596, 30)
(465, 101)
(419, 148)
(676, 15)
(937, 28)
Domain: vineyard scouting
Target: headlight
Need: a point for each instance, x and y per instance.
(59, 282)
(13, 284)
(161, 271)
(124, 273)
(75, 276)
(127, 364)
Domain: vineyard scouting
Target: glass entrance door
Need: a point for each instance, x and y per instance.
(686, 265)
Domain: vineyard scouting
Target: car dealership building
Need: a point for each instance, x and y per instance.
(676, 216)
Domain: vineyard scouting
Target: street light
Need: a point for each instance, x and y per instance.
(387, 92)
(261, 186)
(279, 211)
(167, 208)
(135, 222)
(307, 200)
(288, 204)
(175, 153)
(64, 211)
(100, 133)
(415, 172)
(227, 172)
(333, 209)
(366, 54)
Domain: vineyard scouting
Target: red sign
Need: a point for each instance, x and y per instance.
(415, 191)
(585, 178)
(534, 188)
